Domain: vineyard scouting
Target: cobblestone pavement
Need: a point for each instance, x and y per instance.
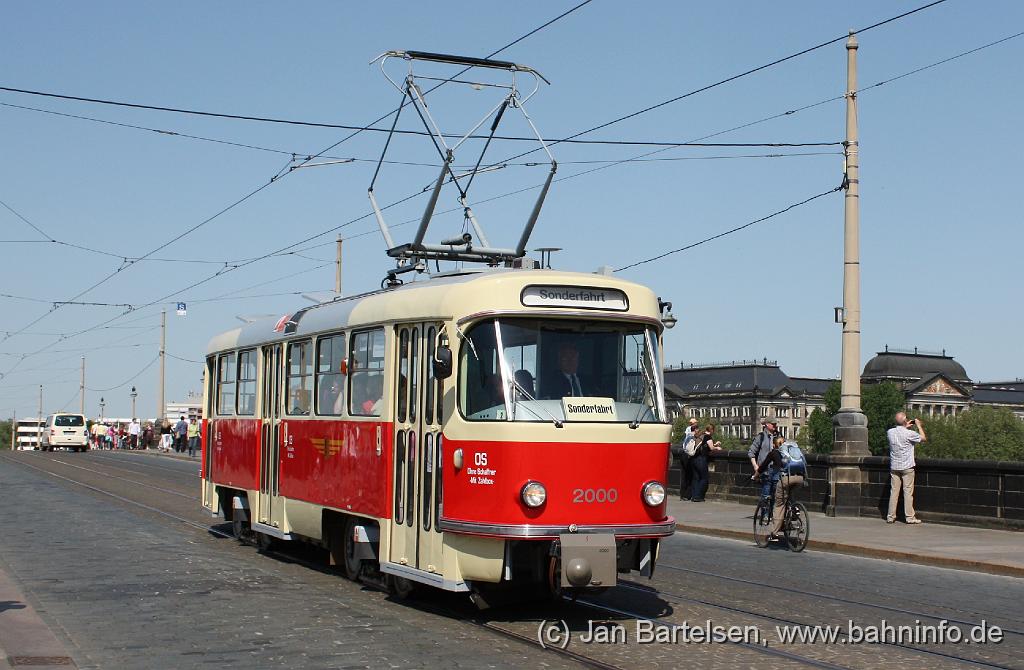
(128, 587)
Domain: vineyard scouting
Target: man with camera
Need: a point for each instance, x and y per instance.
(902, 438)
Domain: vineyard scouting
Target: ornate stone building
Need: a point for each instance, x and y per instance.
(935, 384)
(737, 395)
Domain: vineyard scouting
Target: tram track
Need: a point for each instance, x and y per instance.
(292, 558)
(833, 598)
(466, 616)
(137, 456)
(509, 630)
(679, 598)
(130, 481)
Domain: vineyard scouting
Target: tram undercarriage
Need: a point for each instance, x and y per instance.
(572, 563)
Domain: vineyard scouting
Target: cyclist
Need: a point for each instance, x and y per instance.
(775, 466)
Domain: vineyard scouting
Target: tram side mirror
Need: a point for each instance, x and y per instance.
(443, 362)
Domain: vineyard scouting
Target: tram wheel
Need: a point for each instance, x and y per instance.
(264, 542)
(350, 564)
(554, 578)
(400, 587)
(240, 529)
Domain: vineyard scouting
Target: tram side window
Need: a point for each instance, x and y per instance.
(209, 388)
(330, 376)
(482, 394)
(366, 373)
(299, 386)
(428, 386)
(226, 385)
(247, 382)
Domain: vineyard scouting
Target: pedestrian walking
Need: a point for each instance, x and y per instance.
(193, 436)
(901, 465)
(759, 450)
(180, 435)
(165, 435)
(705, 445)
(134, 429)
(111, 436)
(147, 435)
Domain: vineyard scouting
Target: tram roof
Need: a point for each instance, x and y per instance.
(442, 297)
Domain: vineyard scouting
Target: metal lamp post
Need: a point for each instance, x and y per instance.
(134, 395)
(102, 405)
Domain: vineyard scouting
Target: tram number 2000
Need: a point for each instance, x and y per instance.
(594, 495)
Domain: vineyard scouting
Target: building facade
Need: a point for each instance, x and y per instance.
(192, 409)
(738, 395)
(937, 385)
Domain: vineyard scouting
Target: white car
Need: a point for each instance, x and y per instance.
(65, 430)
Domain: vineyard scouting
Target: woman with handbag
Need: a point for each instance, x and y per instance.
(705, 445)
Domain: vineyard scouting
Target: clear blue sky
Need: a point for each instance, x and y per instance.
(941, 234)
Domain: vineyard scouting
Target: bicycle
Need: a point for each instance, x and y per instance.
(796, 525)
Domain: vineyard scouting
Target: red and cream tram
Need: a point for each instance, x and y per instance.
(474, 428)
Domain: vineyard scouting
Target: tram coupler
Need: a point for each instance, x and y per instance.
(588, 559)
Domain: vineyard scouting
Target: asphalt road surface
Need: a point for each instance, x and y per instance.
(117, 556)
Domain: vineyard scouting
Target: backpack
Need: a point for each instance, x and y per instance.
(793, 459)
(690, 446)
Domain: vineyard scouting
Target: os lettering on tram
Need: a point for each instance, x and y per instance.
(480, 458)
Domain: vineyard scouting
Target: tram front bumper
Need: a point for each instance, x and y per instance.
(588, 559)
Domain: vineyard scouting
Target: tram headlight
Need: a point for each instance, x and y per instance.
(653, 493)
(533, 494)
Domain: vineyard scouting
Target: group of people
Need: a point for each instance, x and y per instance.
(693, 453)
(119, 436)
(182, 436)
(769, 464)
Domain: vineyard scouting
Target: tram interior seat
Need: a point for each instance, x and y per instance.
(525, 381)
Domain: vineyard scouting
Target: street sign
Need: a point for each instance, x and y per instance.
(181, 309)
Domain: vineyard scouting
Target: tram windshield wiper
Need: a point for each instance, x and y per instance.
(472, 347)
(516, 386)
(652, 393)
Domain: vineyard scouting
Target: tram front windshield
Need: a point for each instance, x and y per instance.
(520, 369)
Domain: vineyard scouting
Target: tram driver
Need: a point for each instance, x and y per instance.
(566, 382)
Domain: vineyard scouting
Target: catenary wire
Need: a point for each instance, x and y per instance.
(280, 174)
(732, 129)
(732, 230)
(787, 113)
(297, 154)
(180, 358)
(734, 77)
(128, 381)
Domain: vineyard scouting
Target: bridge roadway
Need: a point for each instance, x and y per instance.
(113, 552)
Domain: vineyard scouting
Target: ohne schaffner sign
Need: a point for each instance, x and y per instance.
(576, 297)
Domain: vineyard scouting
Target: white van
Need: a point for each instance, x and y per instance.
(65, 430)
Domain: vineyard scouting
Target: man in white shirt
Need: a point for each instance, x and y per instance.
(133, 434)
(901, 465)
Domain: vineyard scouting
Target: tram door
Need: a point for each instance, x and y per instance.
(414, 539)
(270, 434)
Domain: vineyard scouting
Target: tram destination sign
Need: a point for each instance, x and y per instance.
(576, 297)
(589, 409)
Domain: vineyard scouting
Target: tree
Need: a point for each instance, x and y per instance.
(879, 402)
(991, 433)
(5, 434)
(679, 428)
(819, 424)
(985, 433)
(819, 432)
